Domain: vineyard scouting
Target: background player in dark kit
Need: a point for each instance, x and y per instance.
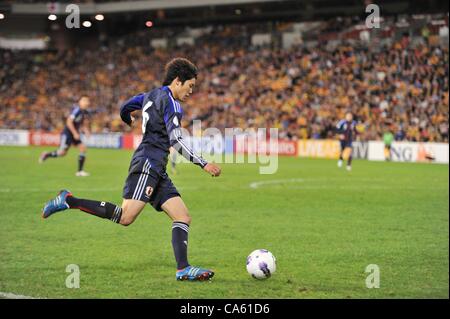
(71, 135)
(346, 129)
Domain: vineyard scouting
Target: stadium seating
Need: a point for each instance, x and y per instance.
(302, 90)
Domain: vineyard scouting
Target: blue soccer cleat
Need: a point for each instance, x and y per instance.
(57, 204)
(194, 273)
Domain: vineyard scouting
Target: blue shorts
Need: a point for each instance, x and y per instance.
(142, 180)
(345, 144)
(66, 140)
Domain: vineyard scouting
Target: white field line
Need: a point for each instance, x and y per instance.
(325, 185)
(9, 295)
(277, 181)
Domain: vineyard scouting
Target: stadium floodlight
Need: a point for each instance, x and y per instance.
(87, 24)
(2, 16)
(52, 17)
(99, 17)
(148, 24)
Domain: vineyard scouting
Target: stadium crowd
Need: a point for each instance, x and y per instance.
(303, 92)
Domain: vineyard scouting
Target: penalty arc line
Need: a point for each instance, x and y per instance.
(255, 185)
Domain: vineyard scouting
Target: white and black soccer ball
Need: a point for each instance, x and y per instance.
(261, 264)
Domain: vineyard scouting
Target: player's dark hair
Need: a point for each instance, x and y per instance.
(181, 68)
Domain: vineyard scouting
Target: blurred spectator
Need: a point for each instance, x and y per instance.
(301, 91)
(388, 138)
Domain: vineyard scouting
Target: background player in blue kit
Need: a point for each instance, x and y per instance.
(346, 130)
(71, 135)
(147, 180)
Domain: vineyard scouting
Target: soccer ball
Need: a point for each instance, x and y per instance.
(261, 264)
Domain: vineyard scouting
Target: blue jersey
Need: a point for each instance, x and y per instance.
(348, 129)
(78, 116)
(161, 128)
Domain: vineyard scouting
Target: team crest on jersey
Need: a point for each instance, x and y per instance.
(175, 121)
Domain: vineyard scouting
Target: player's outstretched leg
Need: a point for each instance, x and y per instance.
(65, 200)
(45, 155)
(178, 212)
(124, 215)
(57, 204)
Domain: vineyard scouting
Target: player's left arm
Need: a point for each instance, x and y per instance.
(172, 120)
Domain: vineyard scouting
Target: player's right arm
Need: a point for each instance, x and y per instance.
(212, 169)
(133, 104)
(172, 119)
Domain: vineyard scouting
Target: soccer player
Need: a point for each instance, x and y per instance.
(388, 138)
(147, 180)
(346, 129)
(71, 135)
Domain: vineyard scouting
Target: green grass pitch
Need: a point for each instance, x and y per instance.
(324, 225)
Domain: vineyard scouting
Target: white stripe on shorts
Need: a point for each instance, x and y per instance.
(142, 180)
